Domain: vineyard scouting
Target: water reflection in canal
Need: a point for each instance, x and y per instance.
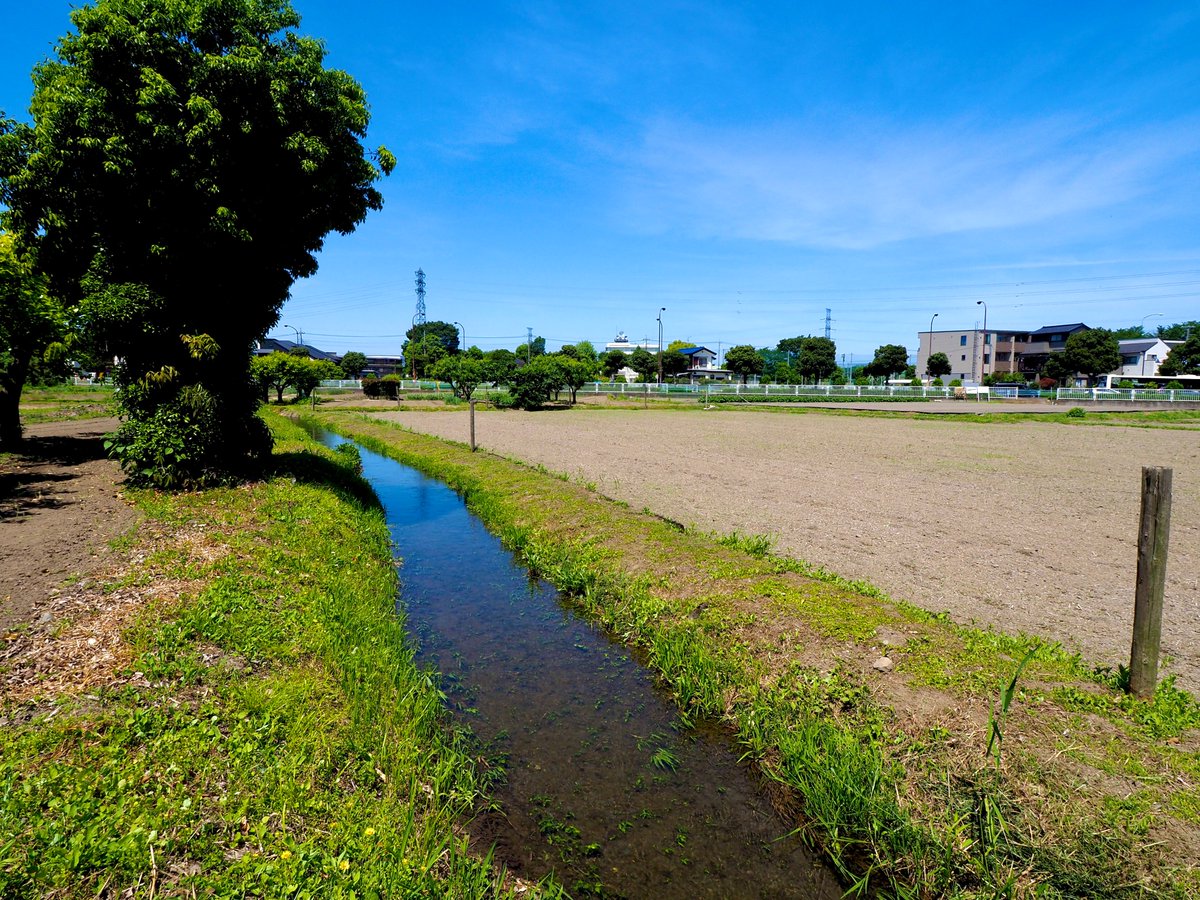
(602, 784)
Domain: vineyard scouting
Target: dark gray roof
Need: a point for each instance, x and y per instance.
(278, 345)
(1136, 345)
(1059, 329)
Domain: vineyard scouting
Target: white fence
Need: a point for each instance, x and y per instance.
(1130, 395)
(814, 391)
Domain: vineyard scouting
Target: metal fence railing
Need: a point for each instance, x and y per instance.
(1130, 395)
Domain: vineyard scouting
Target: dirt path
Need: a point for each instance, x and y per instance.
(1025, 526)
(59, 508)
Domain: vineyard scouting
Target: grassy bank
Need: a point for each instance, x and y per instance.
(980, 765)
(265, 731)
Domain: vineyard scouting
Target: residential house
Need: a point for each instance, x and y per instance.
(702, 363)
(1141, 357)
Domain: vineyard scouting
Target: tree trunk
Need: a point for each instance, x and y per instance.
(11, 385)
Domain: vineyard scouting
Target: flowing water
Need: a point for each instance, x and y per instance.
(603, 785)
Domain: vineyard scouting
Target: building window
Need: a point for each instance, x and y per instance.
(962, 342)
(964, 357)
(987, 358)
(987, 338)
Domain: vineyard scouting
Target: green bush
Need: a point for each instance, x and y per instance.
(389, 387)
(370, 385)
(1126, 384)
(1174, 386)
(500, 400)
(937, 382)
(179, 445)
(956, 382)
(1076, 412)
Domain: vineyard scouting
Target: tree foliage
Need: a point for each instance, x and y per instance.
(532, 385)
(817, 359)
(446, 334)
(744, 360)
(1092, 352)
(1180, 331)
(644, 363)
(463, 373)
(937, 365)
(279, 371)
(353, 363)
(673, 363)
(889, 359)
(186, 160)
(1183, 359)
(31, 324)
(499, 365)
(612, 362)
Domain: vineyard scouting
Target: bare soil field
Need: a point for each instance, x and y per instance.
(1024, 527)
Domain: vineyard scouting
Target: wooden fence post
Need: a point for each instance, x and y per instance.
(471, 403)
(1153, 537)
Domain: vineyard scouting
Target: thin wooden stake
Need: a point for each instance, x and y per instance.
(471, 403)
(1153, 538)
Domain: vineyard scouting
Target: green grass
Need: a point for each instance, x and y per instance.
(777, 648)
(58, 402)
(271, 735)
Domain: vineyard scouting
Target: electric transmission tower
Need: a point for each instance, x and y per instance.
(827, 320)
(419, 318)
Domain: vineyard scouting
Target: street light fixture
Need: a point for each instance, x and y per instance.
(297, 331)
(463, 346)
(929, 355)
(984, 355)
(660, 349)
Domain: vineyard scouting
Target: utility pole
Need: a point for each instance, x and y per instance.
(660, 347)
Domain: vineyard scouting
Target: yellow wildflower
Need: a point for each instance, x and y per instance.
(369, 832)
(286, 854)
(344, 865)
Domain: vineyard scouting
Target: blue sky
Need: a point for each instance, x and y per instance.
(573, 167)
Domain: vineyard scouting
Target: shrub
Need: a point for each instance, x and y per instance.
(955, 382)
(179, 444)
(916, 382)
(1174, 386)
(1076, 412)
(370, 385)
(1047, 384)
(937, 382)
(389, 387)
(1126, 384)
(500, 400)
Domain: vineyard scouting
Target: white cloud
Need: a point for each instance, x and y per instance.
(861, 184)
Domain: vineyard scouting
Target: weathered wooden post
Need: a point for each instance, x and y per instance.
(1153, 536)
(471, 403)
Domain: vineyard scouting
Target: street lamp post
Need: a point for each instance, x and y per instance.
(660, 349)
(929, 355)
(297, 331)
(984, 355)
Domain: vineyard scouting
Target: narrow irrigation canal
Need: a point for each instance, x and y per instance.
(603, 785)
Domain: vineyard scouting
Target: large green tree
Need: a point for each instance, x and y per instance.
(1092, 352)
(889, 359)
(744, 360)
(446, 334)
(353, 363)
(185, 161)
(644, 363)
(30, 324)
(612, 362)
(1183, 359)
(937, 365)
(817, 359)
